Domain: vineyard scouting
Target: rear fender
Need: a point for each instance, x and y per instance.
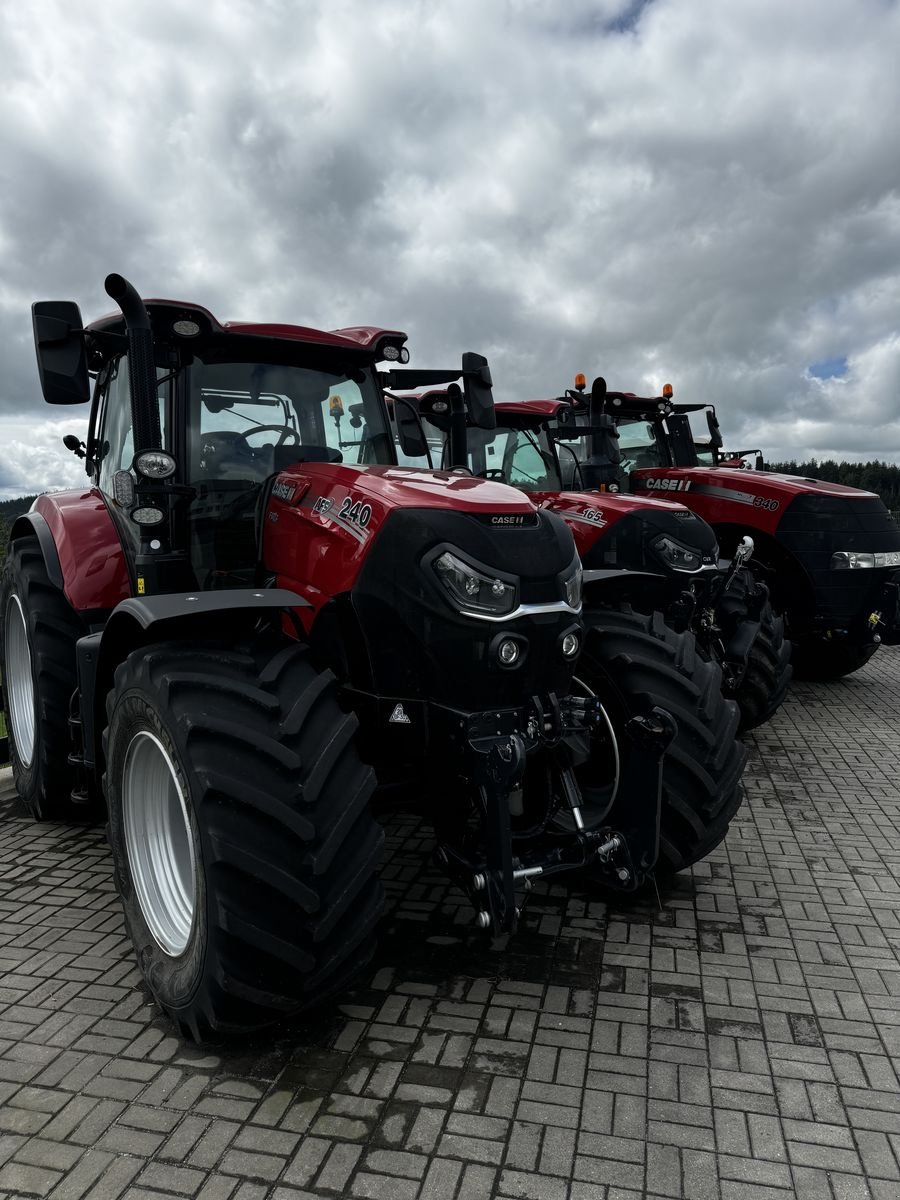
(139, 621)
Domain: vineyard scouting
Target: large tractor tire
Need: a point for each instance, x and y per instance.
(38, 630)
(632, 662)
(822, 659)
(245, 849)
(765, 682)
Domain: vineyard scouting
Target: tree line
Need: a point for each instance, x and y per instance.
(9, 510)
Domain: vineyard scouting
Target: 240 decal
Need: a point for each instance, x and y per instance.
(355, 511)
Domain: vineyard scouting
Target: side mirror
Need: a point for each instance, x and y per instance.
(410, 433)
(715, 433)
(478, 389)
(61, 352)
(760, 463)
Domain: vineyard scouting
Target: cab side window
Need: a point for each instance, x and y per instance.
(115, 441)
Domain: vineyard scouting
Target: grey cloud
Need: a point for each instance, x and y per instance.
(702, 192)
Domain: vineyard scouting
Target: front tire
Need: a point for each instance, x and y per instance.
(38, 632)
(245, 849)
(821, 659)
(768, 674)
(634, 661)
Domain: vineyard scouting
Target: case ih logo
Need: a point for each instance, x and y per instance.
(509, 519)
(668, 485)
(284, 491)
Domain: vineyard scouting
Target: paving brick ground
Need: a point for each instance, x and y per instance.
(741, 1042)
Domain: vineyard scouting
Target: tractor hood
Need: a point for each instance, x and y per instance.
(786, 484)
(404, 487)
(742, 486)
(630, 532)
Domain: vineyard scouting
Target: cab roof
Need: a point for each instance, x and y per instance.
(165, 313)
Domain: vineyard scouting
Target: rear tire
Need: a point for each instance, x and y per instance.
(245, 849)
(38, 632)
(633, 661)
(768, 673)
(820, 659)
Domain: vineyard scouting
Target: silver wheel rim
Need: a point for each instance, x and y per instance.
(159, 843)
(19, 682)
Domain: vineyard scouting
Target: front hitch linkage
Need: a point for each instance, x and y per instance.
(624, 842)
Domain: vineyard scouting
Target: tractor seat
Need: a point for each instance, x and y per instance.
(225, 454)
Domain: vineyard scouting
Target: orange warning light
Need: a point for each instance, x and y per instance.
(668, 391)
(580, 382)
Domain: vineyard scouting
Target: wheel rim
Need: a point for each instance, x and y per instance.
(19, 682)
(159, 843)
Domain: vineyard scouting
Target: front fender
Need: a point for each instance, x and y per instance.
(143, 619)
(80, 540)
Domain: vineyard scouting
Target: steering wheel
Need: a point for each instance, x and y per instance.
(284, 431)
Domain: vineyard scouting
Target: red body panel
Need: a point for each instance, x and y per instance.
(323, 518)
(723, 496)
(90, 553)
(590, 515)
(536, 408)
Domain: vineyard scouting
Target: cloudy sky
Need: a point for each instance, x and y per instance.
(691, 191)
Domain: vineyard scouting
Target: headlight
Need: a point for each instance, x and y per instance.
(154, 464)
(572, 585)
(473, 590)
(853, 560)
(677, 556)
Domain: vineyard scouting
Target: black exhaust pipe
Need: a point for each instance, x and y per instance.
(161, 563)
(601, 467)
(141, 363)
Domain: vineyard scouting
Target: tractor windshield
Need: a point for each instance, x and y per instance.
(641, 443)
(251, 418)
(520, 457)
(248, 420)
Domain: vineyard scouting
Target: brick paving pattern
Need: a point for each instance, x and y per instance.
(741, 1042)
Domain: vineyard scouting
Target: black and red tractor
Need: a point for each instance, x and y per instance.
(647, 554)
(829, 554)
(250, 616)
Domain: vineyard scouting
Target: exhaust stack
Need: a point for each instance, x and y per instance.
(141, 364)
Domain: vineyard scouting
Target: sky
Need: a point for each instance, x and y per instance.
(684, 191)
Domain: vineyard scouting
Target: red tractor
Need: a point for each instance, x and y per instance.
(649, 555)
(234, 632)
(829, 554)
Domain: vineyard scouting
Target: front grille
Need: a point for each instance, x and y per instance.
(814, 527)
